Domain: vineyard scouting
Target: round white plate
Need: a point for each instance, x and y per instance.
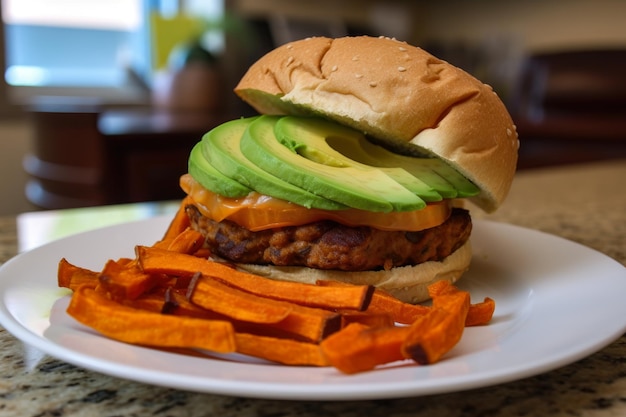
(557, 302)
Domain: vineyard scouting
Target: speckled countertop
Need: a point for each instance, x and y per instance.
(585, 203)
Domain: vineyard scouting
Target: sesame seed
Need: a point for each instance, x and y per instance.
(373, 84)
(289, 60)
(334, 68)
(402, 49)
(358, 75)
(508, 132)
(401, 69)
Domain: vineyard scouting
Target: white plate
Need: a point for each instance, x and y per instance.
(557, 302)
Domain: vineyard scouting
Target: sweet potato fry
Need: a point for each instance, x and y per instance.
(179, 222)
(71, 276)
(367, 318)
(481, 313)
(153, 302)
(440, 288)
(434, 334)
(312, 324)
(285, 351)
(202, 253)
(404, 313)
(133, 326)
(303, 322)
(178, 304)
(478, 313)
(384, 303)
(125, 261)
(187, 241)
(358, 348)
(216, 296)
(156, 260)
(126, 280)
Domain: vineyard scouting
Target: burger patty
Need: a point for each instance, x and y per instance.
(330, 245)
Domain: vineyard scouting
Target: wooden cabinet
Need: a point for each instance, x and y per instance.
(88, 155)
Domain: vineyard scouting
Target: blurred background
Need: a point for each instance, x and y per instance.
(101, 100)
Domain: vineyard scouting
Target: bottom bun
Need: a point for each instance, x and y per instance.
(407, 283)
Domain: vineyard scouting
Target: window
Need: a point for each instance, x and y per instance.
(56, 45)
(82, 47)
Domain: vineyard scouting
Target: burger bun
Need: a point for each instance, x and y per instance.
(399, 95)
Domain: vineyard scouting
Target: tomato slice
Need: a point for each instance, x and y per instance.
(259, 212)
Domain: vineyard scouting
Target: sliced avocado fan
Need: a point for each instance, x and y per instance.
(355, 185)
(210, 178)
(221, 148)
(317, 163)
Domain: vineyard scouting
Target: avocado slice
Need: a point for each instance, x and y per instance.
(355, 185)
(221, 147)
(433, 172)
(210, 178)
(366, 152)
(297, 133)
(463, 186)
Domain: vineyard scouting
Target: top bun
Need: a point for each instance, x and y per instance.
(398, 94)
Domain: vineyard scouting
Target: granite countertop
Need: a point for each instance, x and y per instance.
(585, 203)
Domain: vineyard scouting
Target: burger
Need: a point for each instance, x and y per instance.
(356, 167)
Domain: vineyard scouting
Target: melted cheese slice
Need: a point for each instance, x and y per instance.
(260, 212)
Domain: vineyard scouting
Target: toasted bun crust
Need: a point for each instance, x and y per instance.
(407, 283)
(398, 94)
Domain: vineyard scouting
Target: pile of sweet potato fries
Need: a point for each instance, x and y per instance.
(170, 295)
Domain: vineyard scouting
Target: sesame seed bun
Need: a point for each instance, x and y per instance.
(398, 94)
